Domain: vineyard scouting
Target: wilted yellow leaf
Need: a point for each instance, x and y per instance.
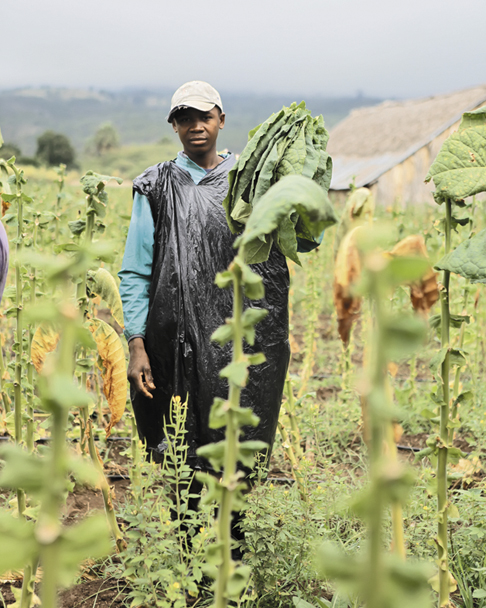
(103, 284)
(44, 341)
(424, 293)
(114, 370)
(359, 209)
(347, 271)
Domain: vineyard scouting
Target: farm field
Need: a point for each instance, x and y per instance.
(320, 463)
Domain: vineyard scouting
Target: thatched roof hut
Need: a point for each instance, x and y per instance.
(390, 147)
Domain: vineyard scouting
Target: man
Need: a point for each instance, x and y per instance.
(177, 241)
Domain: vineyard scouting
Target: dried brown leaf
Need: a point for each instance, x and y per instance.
(347, 272)
(44, 341)
(114, 369)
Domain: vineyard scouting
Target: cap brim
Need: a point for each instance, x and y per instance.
(203, 106)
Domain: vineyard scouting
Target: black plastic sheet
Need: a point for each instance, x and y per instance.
(193, 243)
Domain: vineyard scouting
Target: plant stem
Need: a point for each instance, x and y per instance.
(444, 430)
(231, 450)
(3, 392)
(49, 517)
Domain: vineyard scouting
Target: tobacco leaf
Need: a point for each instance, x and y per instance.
(347, 271)
(359, 208)
(290, 142)
(459, 169)
(44, 341)
(292, 194)
(468, 260)
(114, 370)
(102, 283)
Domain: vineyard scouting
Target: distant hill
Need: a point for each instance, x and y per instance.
(139, 115)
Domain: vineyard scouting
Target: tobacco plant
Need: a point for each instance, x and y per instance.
(44, 476)
(291, 195)
(381, 579)
(459, 171)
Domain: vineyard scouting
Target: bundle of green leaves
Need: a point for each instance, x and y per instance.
(290, 142)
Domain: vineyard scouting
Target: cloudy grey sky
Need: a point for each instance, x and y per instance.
(327, 47)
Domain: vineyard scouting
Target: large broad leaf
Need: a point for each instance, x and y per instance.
(103, 284)
(44, 341)
(292, 194)
(114, 369)
(468, 260)
(459, 170)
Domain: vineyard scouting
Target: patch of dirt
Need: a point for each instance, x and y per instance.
(107, 593)
(324, 393)
(84, 500)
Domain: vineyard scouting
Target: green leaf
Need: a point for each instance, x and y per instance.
(403, 270)
(22, 470)
(214, 452)
(17, 542)
(454, 321)
(256, 359)
(468, 260)
(77, 227)
(224, 280)
(236, 372)
(291, 193)
(403, 335)
(89, 539)
(94, 182)
(479, 594)
(459, 169)
(102, 283)
(224, 333)
(252, 283)
(237, 581)
(247, 451)
(218, 413)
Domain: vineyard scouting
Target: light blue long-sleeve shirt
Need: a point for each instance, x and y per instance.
(136, 271)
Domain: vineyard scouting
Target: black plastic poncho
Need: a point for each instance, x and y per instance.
(193, 243)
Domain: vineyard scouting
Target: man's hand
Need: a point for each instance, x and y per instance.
(139, 371)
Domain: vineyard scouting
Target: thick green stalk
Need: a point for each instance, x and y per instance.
(457, 376)
(290, 411)
(28, 584)
(104, 486)
(29, 439)
(231, 451)
(19, 332)
(375, 574)
(444, 430)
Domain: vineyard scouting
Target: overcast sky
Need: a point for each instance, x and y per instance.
(381, 48)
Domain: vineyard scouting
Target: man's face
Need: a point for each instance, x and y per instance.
(198, 130)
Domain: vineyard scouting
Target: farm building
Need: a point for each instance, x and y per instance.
(390, 147)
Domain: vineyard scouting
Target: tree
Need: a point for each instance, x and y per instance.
(8, 150)
(55, 148)
(105, 139)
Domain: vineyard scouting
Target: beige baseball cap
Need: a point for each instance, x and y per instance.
(194, 94)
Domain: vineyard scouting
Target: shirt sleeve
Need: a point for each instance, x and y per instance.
(304, 246)
(136, 271)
